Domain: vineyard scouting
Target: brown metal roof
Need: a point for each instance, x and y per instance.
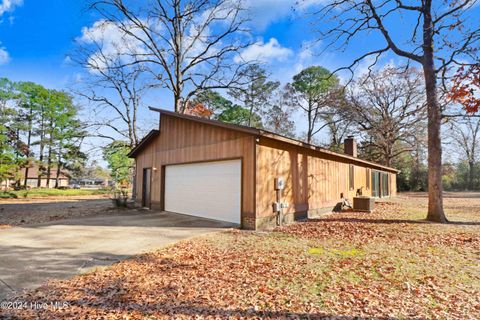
(145, 141)
(255, 132)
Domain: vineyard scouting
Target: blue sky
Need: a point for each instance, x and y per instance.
(37, 36)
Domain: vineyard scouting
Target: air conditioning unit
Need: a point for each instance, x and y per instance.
(366, 204)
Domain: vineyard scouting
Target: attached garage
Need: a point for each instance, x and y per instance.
(206, 189)
(247, 176)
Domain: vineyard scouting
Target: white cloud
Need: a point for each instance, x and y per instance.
(264, 52)
(305, 57)
(4, 56)
(113, 43)
(67, 60)
(264, 12)
(9, 5)
(108, 35)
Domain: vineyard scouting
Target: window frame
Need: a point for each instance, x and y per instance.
(351, 177)
(368, 178)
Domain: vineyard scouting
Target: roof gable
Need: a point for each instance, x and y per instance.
(143, 143)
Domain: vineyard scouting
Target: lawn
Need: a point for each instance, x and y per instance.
(386, 264)
(41, 193)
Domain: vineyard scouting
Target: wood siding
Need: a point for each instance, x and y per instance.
(312, 180)
(186, 141)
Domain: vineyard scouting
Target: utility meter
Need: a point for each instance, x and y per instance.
(279, 183)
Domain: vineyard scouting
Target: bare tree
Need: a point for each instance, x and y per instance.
(188, 46)
(465, 133)
(339, 127)
(114, 89)
(278, 119)
(387, 105)
(439, 36)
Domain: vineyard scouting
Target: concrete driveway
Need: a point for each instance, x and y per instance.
(29, 255)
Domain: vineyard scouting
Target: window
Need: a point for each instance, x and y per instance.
(385, 184)
(351, 177)
(367, 178)
(375, 184)
(32, 182)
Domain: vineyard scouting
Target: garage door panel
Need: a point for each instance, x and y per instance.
(209, 189)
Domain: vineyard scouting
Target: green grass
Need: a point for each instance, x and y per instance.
(343, 253)
(7, 195)
(40, 193)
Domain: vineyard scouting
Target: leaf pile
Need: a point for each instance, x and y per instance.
(383, 264)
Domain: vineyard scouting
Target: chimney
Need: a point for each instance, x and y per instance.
(350, 146)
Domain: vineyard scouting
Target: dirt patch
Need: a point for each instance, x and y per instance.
(17, 212)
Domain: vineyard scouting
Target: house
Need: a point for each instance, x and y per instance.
(91, 183)
(247, 176)
(32, 179)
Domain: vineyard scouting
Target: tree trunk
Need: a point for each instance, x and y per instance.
(416, 171)
(40, 166)
(178, 42)
(310, 125)
(29, 142)
(250, 115)
(49, 160)
(471, 175)
(59, 162)
(388, 161)
(41, 150)
(387, 156)
(59, 166)
(435, 187)
(49, 166)
(134, 127)
(26, 177)
(178, 104)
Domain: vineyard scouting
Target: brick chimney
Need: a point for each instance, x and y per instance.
(350, 146)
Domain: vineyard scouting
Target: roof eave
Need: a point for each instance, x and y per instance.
(216, 123)
(139, 147)
(325, 151)
(271, 135)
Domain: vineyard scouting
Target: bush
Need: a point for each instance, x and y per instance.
(120, 197)
(7, 195)
(19, 187)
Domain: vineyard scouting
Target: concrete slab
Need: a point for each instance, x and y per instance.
(32, 254)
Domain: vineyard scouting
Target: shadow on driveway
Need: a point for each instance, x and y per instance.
(32, 254)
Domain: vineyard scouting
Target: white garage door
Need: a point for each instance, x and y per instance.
(209, 189)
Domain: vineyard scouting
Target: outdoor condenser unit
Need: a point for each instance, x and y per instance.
(363, 204)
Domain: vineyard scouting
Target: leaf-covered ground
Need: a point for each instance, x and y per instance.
(388, 264)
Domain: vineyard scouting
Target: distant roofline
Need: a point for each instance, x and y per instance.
(255, 132)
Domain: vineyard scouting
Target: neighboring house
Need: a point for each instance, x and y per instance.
(91, 183)
(235, 173)
(32, 179)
